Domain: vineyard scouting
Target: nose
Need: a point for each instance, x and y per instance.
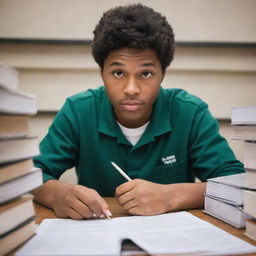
(131, 87)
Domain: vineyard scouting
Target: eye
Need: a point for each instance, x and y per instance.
(118, 73)
(147, 74)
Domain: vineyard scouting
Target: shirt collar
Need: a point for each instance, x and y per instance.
(159, 123)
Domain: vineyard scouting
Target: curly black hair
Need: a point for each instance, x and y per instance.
(133, 26)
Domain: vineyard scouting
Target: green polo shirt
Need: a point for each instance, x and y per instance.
(180, 143)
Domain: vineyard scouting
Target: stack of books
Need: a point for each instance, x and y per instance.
(233, 198)
(17, 173)
(244, 122)
(224, 198)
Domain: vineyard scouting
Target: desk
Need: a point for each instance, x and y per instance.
(43, 212)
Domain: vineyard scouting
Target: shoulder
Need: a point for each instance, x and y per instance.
(181, 98)
(84, 102)
(87, 97)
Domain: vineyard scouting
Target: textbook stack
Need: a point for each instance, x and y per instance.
(244, 121)
(17, 174)
(224, 198)
(233, 198)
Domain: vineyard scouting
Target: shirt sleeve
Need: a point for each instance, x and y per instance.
(210, 154)
(59, 149)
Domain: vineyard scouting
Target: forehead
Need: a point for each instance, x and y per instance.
(124, 55)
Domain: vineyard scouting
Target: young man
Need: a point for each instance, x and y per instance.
(162, 138)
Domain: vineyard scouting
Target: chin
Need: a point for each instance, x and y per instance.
(132, 122)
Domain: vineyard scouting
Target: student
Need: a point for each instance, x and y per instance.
(162, 138)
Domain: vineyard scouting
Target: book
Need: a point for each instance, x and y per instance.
(250, 177)
(13, 170)
(243, 115)
(249, 155)
(14, 102)
(224, 198)
(14, 126)
(16, 238)
(15, 149)
(244, 121)
(176, 233)
(8, 77)
(227, 212)
(250, 228)
(17, 174)
(18, 186)
(244, 132)
(14, 213)
(229, 187)
(250, 203)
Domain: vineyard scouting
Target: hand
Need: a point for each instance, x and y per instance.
(78, 202)
(141, 197)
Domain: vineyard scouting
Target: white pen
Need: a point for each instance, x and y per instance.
(121, 171)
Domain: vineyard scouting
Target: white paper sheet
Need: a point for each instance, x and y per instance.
(167, 233)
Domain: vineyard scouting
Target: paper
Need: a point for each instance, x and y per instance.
(71, 244)
(167, 233)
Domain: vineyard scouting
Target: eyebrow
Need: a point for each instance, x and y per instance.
(115, 63)
(147, 64)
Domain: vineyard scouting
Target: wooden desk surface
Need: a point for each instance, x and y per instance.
(43, 212)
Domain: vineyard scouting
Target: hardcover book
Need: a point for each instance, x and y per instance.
(15, 149)
(13, 126)
(250, 203)
(225, 211)
(17, 237)
(230, 187)
(250, 228)
(16, 212)
(244, 132)
(250, 155)
(15, 169)
(8, 77)
(21, 185)
(14, 102)
(243, 115)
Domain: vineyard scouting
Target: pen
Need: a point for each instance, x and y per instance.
(121, 171)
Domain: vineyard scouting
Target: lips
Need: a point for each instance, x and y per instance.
(131, 105)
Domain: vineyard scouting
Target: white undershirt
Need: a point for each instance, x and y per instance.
(133, 134)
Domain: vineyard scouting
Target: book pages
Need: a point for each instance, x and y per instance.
(167, 233)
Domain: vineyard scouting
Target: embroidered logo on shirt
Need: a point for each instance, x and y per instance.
(169, 159)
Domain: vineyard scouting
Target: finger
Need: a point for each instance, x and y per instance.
(93, 201)
(124, 198)
(81, 208)
(71, 213)
(134, 211)
(129, 205)
(104, 206)
(124, 188)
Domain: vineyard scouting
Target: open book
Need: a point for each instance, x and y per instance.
(177, 233)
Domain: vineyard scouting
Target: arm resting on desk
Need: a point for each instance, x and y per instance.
(141, 197)
(73, 201)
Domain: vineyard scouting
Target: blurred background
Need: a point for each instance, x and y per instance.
(48, 42)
